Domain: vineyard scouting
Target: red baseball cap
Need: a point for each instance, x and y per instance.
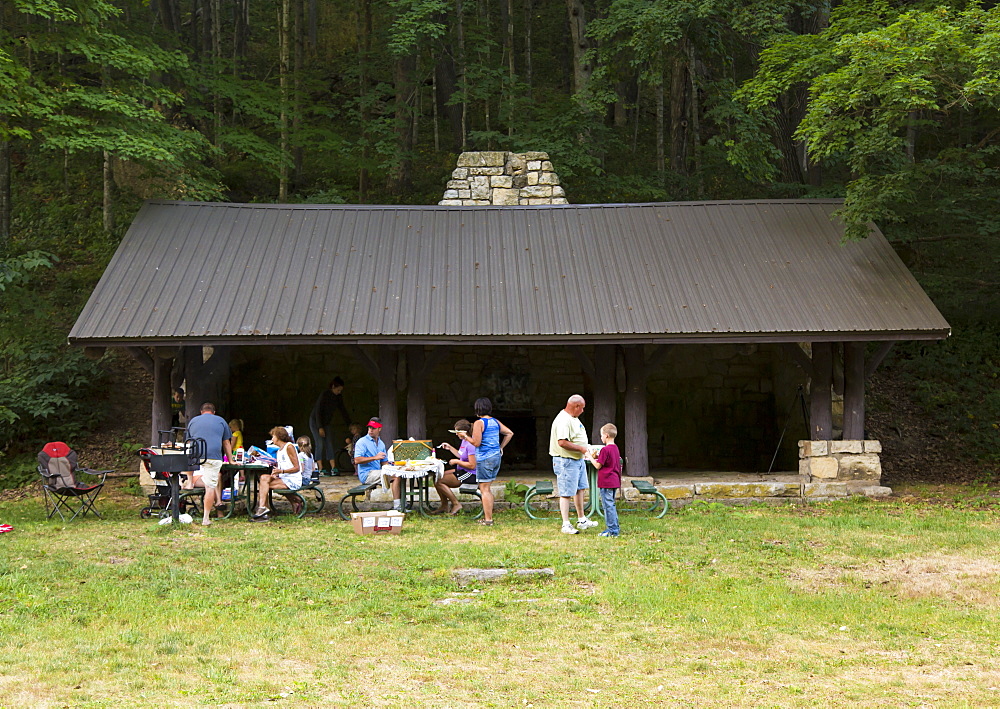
(374, 424)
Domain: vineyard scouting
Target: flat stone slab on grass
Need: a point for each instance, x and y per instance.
(466, 576)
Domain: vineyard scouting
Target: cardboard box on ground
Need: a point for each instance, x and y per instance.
(387, 522)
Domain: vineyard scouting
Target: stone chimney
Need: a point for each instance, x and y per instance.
(503, 179)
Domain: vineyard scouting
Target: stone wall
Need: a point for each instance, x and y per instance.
(840, 461)
(503, 179)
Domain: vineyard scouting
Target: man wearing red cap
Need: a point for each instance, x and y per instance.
(370, 456)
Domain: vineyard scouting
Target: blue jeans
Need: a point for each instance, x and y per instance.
(324, 448)
(610, 511)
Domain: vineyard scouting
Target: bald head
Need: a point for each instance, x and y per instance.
(575, 405)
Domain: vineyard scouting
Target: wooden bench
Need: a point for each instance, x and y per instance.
(353, 494)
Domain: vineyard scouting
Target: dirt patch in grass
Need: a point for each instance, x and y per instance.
(955, 578)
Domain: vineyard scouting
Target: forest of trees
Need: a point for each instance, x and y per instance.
(890, 104)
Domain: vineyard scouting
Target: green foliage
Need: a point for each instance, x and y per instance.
(904, 100)
(515, 491)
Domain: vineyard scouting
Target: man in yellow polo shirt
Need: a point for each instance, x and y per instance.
(567, 444)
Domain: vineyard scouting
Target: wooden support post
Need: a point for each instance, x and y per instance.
(194, 392)
(820, 410)
(854, 391)
(416, 388)
(636, 437)
(162, 391)
(387, 359)
(838, 369)
(605, 400)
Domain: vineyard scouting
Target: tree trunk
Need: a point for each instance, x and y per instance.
(6, 204)
(509, 48)
(582, 68)
(400, 178)
(297, 88)
(364, 51)
(241, 27)
(283, 31)
(108, 184)
(528, 7)
(678, 115)
(462, 70)
(694, 106)
(661, 160)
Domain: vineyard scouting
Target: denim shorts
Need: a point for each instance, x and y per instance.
(487, 469)
(571, 475)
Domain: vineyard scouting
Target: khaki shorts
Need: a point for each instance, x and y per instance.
(209, 472)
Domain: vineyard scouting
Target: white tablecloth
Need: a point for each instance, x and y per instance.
(416, 469)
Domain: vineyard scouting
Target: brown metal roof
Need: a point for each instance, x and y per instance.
(776, 271)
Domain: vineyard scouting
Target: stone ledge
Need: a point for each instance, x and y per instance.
(763, 489)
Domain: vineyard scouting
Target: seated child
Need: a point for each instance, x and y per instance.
(306, 462)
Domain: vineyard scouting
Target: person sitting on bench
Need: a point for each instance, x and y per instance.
(461, 472)
(286, 476)
(370, 457)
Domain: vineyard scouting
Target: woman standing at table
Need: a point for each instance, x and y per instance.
(486, 437)
(286, 475)
(462, 472)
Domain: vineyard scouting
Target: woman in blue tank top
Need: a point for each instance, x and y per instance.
(490, 437)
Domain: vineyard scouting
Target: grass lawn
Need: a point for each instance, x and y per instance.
(888, 603)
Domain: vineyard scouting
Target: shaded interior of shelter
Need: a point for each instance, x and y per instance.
(712, 407)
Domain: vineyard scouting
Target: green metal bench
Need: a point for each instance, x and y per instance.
(647, 488)
(540, 488)
(353, 494)
(474, 491)
(289, 495)
(315, 491)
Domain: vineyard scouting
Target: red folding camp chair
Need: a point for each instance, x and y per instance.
(63, 492)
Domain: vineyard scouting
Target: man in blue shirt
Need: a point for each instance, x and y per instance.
(370, 456)
(217, 436)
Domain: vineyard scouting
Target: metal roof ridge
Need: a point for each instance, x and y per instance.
(449, 208)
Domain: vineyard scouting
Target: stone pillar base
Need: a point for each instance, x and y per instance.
(840, 461)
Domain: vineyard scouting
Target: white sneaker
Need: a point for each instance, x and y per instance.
(567, 528)
(586, 524)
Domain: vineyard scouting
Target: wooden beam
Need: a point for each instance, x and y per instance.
(854, 391)
(585, 364)
(820, 409)
(656, 359)
(142, 358)
(877, 358)
(800, 358)
(370, 365)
